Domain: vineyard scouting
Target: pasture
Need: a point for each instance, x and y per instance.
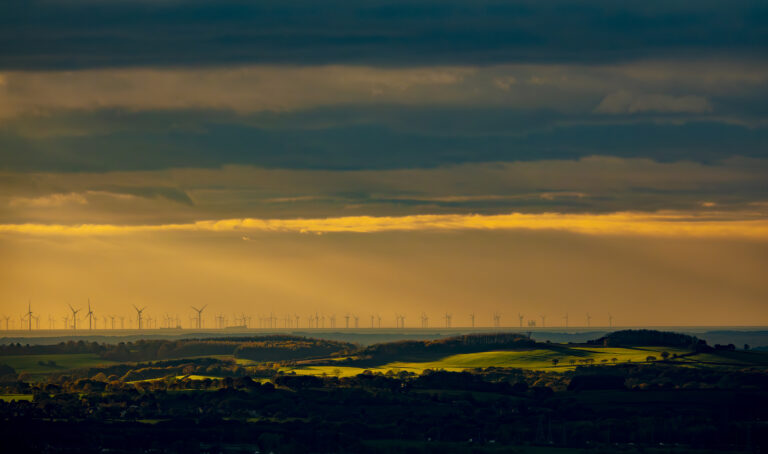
(46, 364)
(16, 397)
(537, 359)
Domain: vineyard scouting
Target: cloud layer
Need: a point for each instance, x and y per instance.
(473, 152)
(75, 34)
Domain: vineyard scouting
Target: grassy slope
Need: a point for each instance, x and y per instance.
(538, 359)
(534, 359)
(17, 397)
(30, 364)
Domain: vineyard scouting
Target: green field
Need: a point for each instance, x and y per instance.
(31, 363)
(538, 359)
(12, 397)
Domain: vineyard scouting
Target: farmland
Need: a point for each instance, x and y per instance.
(497, 392)
(46, 364)
(536, 359)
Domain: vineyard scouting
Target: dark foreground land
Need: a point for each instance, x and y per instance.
(214, 404)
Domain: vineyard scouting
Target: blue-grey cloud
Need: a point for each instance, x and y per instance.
(421, 138)
(77, 34)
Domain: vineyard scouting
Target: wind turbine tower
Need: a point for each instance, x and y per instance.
(138, 314)
(520, 317)
(566, 319)
(74, 317)
(89, 315)
(589, 319)
(496, 319)
(29, 315)
(199, 315)
(543, 320)
(472, 319)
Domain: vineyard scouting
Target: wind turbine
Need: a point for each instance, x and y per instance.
(29, 315)
(610, 320)
(7, 319)
(138, 314)
(346, 321)
(51, 322)
(112, 317)
(520, 317)
(74, 316)
(66, 321)
(496, 319)
(199, 315)
(589, 319)
(447, 318)
(566, 319)
(472, 319)
(543, 320)
(89, 314)
(424, 320)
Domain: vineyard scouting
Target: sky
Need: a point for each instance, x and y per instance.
(384, 158)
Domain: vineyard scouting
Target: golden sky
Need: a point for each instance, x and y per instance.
(427, 156)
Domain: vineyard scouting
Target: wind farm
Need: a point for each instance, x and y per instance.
(269, 321)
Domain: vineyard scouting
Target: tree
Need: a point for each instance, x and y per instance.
(555, 361)
(650, 358)
(665, 355)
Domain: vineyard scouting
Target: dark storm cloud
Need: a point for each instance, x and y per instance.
(293, 140)
(78, 34)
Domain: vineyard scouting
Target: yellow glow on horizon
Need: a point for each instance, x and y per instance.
(666, 224)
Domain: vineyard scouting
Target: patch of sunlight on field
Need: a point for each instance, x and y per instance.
(32, 363)
(622, 355)
(336, 371)
(245, 362)
(526, 359)
(177, 377)
(539, 359)
(18, 397)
